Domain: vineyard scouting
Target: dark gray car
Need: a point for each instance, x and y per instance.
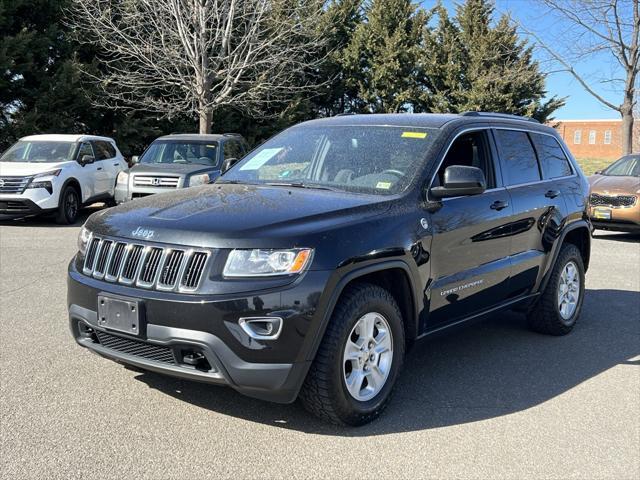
(179, 161)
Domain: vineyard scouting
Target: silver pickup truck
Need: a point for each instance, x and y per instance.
(179, 161)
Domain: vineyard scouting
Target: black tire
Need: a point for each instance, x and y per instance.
(68, 206)
(324, 392)
(545, 316)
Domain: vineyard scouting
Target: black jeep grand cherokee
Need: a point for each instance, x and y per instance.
(312, 265)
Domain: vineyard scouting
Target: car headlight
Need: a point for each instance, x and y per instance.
(49, 173)
(83, 240)
(201, 179)
(265, 263)
(46, 184)
(123, 178)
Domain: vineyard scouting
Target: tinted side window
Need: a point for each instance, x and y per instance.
(104, 150)
(518, 159)
(85, 149)
(553, 161)
(233, 149)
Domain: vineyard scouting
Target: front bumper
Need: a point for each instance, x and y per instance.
(177, 325)
(17, 207)
(624, 219)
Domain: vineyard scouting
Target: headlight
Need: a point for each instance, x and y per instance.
(201, 179)
(265, 263)
(45, 184)
(50, 173)
(83, 240)
(123, 178)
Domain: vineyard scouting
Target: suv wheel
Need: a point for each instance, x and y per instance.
(558, 309)
(68, 206)
(354, 372)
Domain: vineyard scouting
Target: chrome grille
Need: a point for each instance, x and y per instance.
(155, 181)
(193, 271)
(612, 200)
(146, 266)
(13, 184)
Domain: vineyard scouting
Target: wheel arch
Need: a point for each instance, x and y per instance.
(72, 181)
(392, 275)
(578, 234)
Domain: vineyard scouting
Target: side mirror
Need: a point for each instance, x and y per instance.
(460, 181)
(135, 159)
(597, 172)
(86, 160)
(228, 163)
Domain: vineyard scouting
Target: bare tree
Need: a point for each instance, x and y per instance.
(195, 56)
(592, 30)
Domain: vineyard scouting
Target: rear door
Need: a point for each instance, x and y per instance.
(538, 204)
(470, 263)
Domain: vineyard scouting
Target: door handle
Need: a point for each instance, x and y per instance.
(552, 194)
(499, 205)
(99, 168)
(116, 164)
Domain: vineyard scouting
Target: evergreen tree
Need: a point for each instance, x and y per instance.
(475, 65)
(380, 62)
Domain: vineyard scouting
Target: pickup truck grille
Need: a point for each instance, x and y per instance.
(147, 266)
(13, 184)
(597, 200)
(155, 181)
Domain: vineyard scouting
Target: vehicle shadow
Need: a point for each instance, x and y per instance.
(618, 237)
(49, 220)
(486, 370)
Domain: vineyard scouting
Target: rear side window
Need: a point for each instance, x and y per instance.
(104, 150)
(517, 157)
(553, 161)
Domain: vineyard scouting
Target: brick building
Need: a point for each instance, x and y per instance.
(596, 138)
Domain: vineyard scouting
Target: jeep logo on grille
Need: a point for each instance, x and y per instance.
(155, 181)
(143, 233)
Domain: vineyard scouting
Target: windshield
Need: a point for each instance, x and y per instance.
(181, 152)
(366, 159)
(39, 152)
(625, 167)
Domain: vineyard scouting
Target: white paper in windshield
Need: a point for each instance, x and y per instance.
(261, 158)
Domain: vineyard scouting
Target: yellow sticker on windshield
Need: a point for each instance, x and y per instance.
(414, 134)
(385, 185)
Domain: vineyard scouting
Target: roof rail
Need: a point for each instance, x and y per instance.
(231, 134)
(498, 115)
(344, 114)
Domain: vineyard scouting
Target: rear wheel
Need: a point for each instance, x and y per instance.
(68, 206)
(352, 377)
(558, 309)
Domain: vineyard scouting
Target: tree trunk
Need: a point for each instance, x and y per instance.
(205, 115)
(627, 129)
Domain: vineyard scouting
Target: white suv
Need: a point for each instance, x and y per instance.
(58, 173)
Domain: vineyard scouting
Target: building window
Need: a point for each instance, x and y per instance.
(607, 137)
(577, 137)
(592, 137)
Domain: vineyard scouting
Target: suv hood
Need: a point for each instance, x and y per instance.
(221, 215)
(27, 169)
(169, 168)
(614, 184)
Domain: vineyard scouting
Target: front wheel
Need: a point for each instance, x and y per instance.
(352, 377)
(558, 308)
(68, 206)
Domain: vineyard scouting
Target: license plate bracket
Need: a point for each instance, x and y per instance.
(602, 213)
(121, 314)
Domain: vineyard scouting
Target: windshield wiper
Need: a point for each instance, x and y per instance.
(311, 186)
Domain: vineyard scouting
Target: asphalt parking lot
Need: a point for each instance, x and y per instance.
(491, 401)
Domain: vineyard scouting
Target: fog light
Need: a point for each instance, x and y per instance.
(261, 328)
